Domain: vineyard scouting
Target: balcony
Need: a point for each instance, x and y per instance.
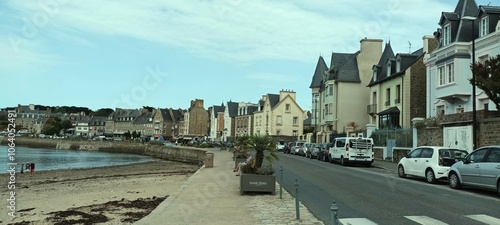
(387, 103)
(397, 101)
(372, 109)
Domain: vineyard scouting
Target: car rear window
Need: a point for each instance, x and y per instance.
(452, 153)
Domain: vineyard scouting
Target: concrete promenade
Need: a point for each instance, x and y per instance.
(212, 196)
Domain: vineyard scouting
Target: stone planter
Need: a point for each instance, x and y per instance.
(257, 183)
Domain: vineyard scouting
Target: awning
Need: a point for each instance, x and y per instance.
(392, 110)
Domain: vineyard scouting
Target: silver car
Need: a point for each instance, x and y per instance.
(480, 169)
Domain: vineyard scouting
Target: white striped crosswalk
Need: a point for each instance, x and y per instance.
(424, 220)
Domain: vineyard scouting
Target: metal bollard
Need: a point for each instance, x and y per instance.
(297, 211)
(281, 182)
(333, 214)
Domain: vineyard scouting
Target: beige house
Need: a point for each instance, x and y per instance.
(338, 92)
(30, 119)
(397, 89)
(279, 115)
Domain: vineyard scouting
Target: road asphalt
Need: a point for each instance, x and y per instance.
(212, 196)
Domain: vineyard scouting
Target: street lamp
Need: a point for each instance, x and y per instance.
(473, 81)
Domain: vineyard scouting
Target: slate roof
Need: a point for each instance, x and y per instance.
(178, 116)
(84, 119)
(233, 108)
(407, 60)
(344, 67)
(252, 109)
(318, 73)
(166, 115)
(144, 118)
(460, 29)
(489, 9)
(308, 120)
(218, 109)
(98, 119)
(274, 99)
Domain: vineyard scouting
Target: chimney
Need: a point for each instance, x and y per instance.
(430, 43)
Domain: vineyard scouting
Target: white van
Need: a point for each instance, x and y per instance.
(355, 150)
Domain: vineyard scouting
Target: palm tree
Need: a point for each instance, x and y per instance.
(264, 149)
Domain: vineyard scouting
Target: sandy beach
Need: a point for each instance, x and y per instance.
(107, 195)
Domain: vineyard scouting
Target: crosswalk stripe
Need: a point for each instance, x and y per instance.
(357, 221)
(485, 219)
(425, 220)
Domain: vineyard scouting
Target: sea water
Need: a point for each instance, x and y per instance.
(52, 159)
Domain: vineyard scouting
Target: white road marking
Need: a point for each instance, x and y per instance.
(485, 219)
(357, 221)
(425, 220)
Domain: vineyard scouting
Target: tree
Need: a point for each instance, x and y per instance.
(51, 126)
(65, 125)
(487, 76)
(264, 149)
(103, 112)
(127, 135)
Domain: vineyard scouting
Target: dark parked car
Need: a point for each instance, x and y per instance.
(288, 147)
(312, 150)
(323, 152)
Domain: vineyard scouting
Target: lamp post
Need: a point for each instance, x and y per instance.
(473, 81)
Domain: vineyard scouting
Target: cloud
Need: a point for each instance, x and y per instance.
(237, 30)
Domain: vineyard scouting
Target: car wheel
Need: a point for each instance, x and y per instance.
(498, 187)
(429, 175)
(401, 171)
(454, 181)
(342, 161)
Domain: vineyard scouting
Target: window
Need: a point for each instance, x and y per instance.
(494, 155)
(446, 34)
(426, 153)
(450, 72)
(330, 89)
(415, 153)
(441, 75)
(278, 132)
(460, 109)
(278, 120)
(388, 96)
(446, 74)
(477, 156)
(295, 133)
(326, 109)
(330, 108)
(295, 120)
(389, 121)
(398, 94)
(287, 108)
(483, 26)
(440, 110)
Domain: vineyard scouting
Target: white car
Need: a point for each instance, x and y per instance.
(431, 162)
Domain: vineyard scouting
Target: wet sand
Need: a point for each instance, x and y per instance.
(106, 195)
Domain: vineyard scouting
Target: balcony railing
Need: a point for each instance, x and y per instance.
(372, 109)
(387, 103)
(397, 101)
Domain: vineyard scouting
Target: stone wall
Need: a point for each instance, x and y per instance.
(176, 153)
(488, 123)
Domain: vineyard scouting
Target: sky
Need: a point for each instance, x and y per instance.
(165, 53)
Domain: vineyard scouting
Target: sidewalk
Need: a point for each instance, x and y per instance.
(212, 196)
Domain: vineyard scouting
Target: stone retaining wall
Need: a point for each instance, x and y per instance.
(176, 153)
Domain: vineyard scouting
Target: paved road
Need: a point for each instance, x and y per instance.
(379, 196)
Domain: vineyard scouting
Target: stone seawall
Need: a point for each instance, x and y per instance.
(176, 153)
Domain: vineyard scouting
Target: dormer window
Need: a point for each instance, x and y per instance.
(389, 65)
(446, 34)
(398, 64)
(483, 30)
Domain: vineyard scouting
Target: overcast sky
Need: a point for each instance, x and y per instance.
(165, 53)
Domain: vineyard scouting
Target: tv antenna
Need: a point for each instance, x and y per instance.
(409, 47)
